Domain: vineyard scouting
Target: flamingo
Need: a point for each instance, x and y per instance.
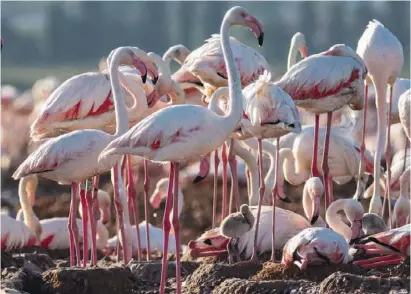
(394, 244)
(404, 105)
(288, 225)
(178, 53)
(72, 158)
(297, 44)
(161, 137)
(402, 206)
(15, 234)
(323, 83)
(235, 226)
(383, 56)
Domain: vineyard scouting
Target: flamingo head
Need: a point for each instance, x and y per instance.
(178, 53)
(159, 193)
(211, 243)
(298, 41)
(315, 190)
(355, 212)
(105, 205)
(240, 16)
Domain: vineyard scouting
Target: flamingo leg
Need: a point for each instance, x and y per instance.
(404, 163)
(324, 165)
(216, 163)
(119, 210)
(85, 223)
(224, 204)
(387, 193)
(146, 206)
(359, 193)
(133, 201)
(176, 227)
(331, 189)
(314, 168)
(72, 227)
(166, 228)
(234, 193)
(379, 261)
(274, 196)
(254, 256)
(92, 218)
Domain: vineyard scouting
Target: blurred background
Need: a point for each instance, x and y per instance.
(66, 38)
(62, 39)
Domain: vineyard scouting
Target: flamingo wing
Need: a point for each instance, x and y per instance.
(319, 76)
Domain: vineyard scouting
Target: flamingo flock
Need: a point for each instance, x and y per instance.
(224, 96)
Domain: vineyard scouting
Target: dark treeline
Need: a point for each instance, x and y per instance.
(97, 27)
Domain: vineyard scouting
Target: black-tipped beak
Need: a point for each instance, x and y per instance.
(198, 179)
(313, 219)
(354, 241)
(286, 200)
(155, 79)
(144, 78)
(261, 39)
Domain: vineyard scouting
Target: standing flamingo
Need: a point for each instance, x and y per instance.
(162, 137)
(72, 158)
(383, 56)
(323, 83)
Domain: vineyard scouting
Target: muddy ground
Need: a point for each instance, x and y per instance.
(36, 270)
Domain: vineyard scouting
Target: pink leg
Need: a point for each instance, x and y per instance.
(325, 161)
(331, 189)
(176, 226)
(85, 224)
(92, 218)
(379, 261)
(146, 206)
(216, 163)
(166, 228)
(387, 193)
(254, 257)
(362, 147)
(274, 196)
(119, 209)
(132, 199)
(234, 179)
(314, 168)
(72, 227)
(224, 204)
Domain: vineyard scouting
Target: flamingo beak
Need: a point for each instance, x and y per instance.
(356, 230)
(156, 199)
(141, 67)
(152, 98)
(204, 168)
(256, 27)
(105, 215)
(316, 210)
(304, 52)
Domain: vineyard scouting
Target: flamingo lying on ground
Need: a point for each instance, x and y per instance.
(323, 83)
(15, 234)
(162, 137)
(72, 158)
(383, 56)
(394, 244)
(288, 225)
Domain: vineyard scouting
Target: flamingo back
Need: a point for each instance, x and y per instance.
(15, 234)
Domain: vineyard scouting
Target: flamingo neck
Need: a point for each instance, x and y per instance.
(292, 55)
(333, 220)
(26, 213)
(251, 164)
(307, 202)
(288, 162)
(233, 117)
(139, 106)
(270, 179)
(119, 101)
(102, 235)
(217, 95)
(180, 204)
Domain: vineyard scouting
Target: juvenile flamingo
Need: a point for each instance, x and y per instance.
(323, 83)
(383, 56)
(72, 158)
(163, 137)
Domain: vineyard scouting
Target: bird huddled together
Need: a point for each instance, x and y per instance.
(223, 96)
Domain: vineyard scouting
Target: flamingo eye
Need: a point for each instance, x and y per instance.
(208, 242)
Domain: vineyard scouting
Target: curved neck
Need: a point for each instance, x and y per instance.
(217, 96)
(292, 55)
(251, 164)
(334, 221)
(288, 162)
(30, 218)
(234, 84)
(102, 235)
(119, 101)
(139, 106)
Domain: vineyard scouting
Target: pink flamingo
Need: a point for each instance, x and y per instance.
(394, 244)
(402, 206)
(162, 137)
(72, 158)
(323, 83)
(383, 56)
(15, 234)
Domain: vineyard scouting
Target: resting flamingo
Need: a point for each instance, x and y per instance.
(323, 83)
(162, 137)
(288, 225)
(72, 158)
(383, 56)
